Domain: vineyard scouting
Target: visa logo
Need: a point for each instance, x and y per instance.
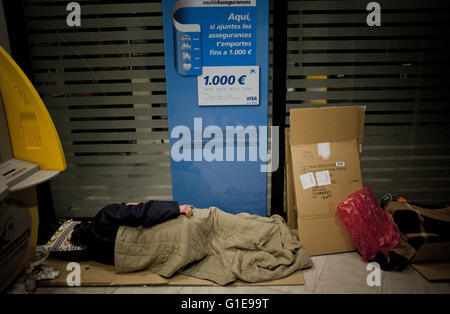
(250, 98)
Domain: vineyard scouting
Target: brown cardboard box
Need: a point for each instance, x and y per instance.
(290, 195)
(432, 260)
(324, 144)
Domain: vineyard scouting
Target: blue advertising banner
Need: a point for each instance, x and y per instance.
(217, 55)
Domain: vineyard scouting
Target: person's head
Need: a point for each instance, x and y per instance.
(80, 234)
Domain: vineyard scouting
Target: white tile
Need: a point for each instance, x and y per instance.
(264, 290)
(311, 275)
(344, 273)
(230, 290)
(195, 290)
(410, 281)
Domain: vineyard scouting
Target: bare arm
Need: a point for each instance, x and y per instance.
(187, 210)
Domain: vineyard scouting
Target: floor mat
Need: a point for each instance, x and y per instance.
(96, 274)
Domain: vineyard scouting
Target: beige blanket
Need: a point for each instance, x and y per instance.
(213, 245)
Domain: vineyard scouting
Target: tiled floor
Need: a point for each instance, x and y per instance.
(336, 273)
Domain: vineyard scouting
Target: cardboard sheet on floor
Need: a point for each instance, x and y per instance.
(434, 271)
(96, 274)
(432, 261)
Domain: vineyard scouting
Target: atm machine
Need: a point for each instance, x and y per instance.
(30, 153)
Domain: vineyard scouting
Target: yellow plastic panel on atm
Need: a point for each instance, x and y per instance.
(33, 135)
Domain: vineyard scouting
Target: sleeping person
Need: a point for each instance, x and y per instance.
(99, 234)
(208, 243)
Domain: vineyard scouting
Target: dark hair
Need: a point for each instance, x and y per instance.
(81, 233)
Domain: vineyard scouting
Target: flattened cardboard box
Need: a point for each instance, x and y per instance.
(290, 194)
(324, 144)
(432, 260)
(94, 274)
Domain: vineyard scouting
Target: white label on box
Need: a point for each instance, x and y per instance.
(228, 86)
(324, 150)
(340, 164)
(308, 180)
(323, 178)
